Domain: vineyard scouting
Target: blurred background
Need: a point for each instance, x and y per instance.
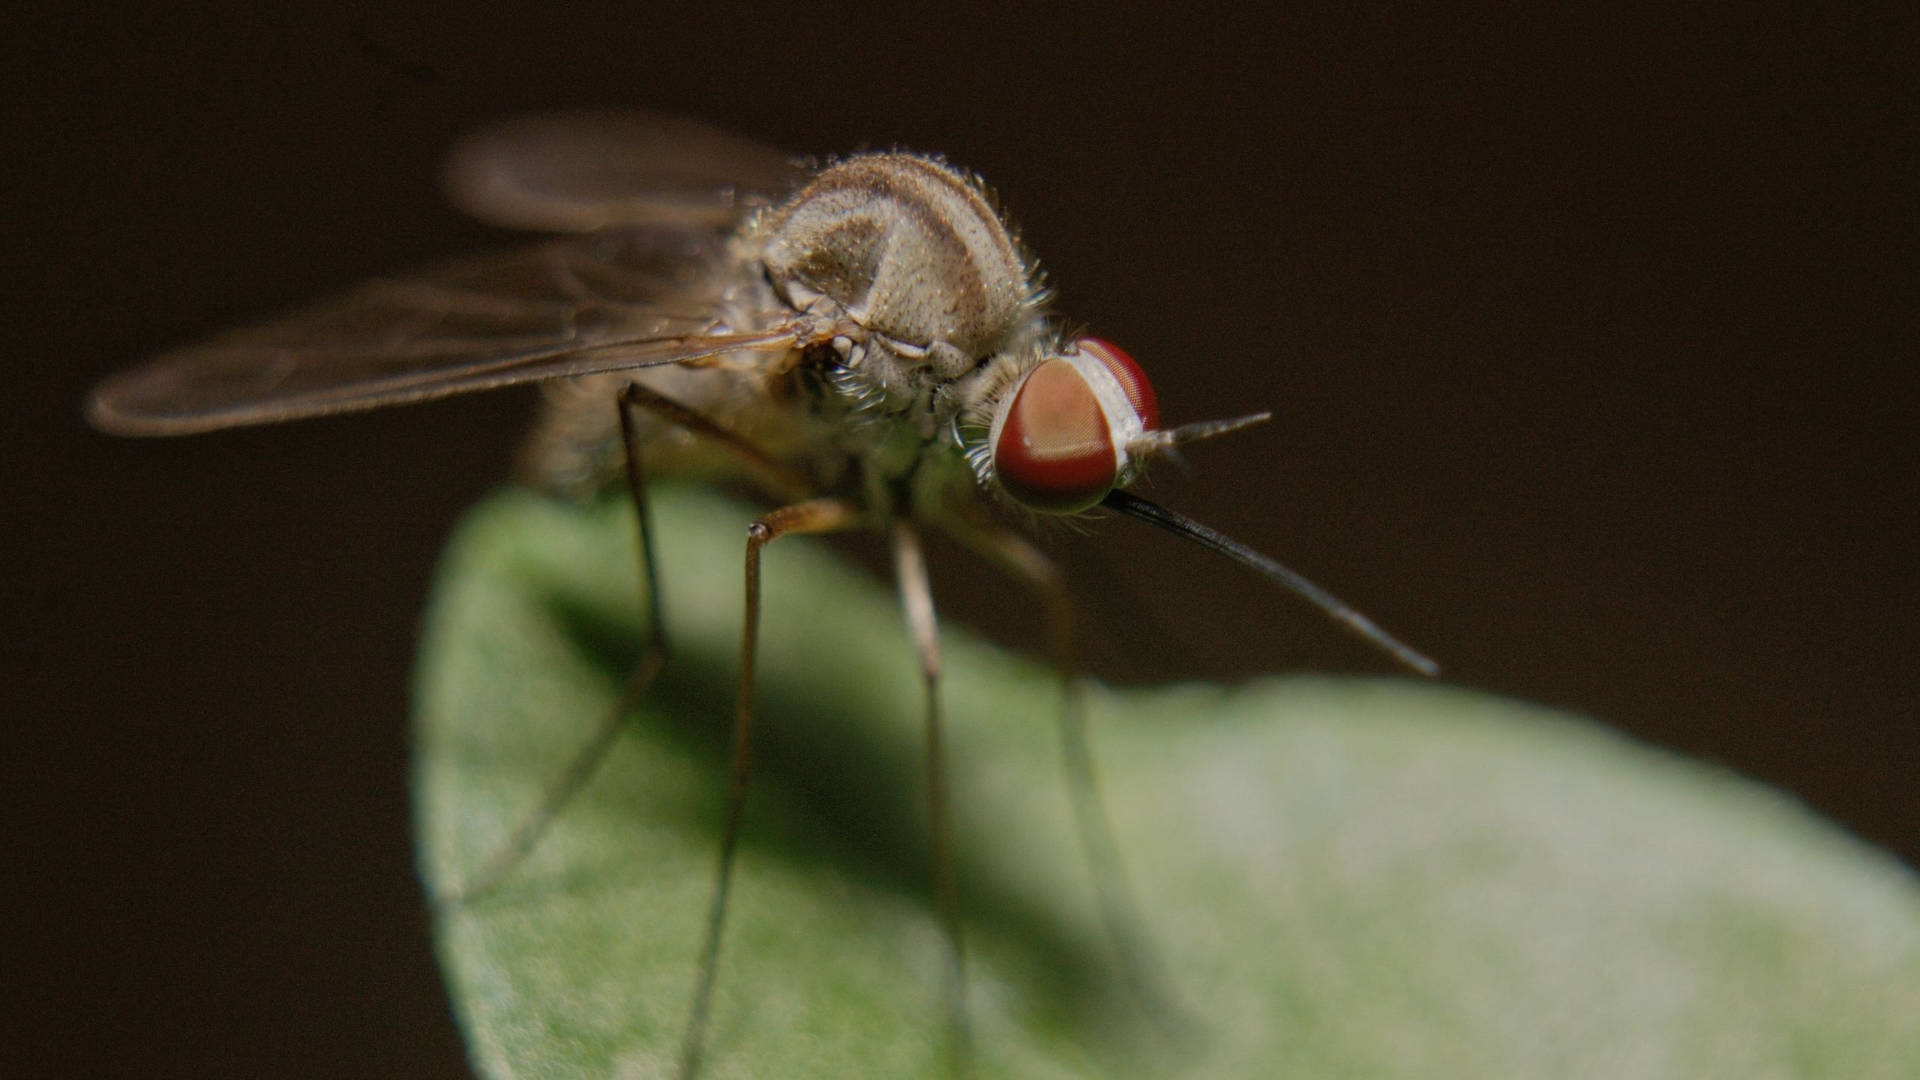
(1589, 338)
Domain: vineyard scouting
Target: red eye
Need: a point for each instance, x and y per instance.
(1128, 374)
(1055, 451)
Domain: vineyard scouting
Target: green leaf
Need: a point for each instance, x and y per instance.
(1340, 877)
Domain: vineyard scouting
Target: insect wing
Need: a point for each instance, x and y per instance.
(583, 171)
(573, 306)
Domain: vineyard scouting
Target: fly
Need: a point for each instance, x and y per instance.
(866, 340)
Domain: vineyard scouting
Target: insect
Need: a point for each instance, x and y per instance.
(866, 340)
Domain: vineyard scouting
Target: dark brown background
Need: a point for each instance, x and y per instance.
(1590, 339)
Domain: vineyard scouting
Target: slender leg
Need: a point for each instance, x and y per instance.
(916, 598)
(784, 477)
(653, 654)
(812, 516)
(1119, 911)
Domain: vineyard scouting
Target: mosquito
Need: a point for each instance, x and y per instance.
(865, 340)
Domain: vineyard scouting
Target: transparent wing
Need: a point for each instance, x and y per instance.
(572, 306)
(582, 171)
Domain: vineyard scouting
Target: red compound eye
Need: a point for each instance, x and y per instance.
(1055, 450)
(1129, 375)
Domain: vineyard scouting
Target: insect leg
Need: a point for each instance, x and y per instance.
(812, 516)
(1119, 912)
(653, 654)
(784, 477)
(916, 598)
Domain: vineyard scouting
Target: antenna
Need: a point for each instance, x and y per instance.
(1153, 442)
(1213, 540)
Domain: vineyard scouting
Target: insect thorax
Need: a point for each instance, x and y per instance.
(907, 264)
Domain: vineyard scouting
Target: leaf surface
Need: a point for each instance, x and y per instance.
(1340, 877)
